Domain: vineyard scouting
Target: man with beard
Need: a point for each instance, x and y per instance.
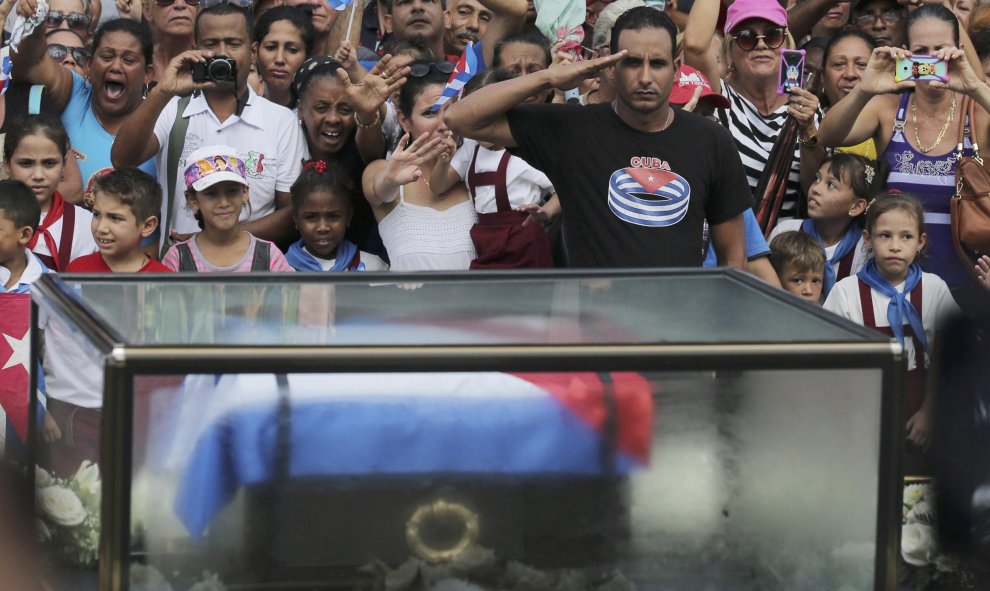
(417, 18)
(267, 136)
(636, 178)
(472, 20)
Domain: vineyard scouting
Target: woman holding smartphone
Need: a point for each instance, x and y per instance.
(916, 133)
(755, 32)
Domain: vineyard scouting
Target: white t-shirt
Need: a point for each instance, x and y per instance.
(937, 306)
(860, 255)
(32, 272)
(268, 138)
(524, 184)
(82, 235)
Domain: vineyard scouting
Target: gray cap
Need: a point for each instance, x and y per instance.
(602, 34)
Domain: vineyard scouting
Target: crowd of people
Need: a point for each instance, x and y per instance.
(281, 135)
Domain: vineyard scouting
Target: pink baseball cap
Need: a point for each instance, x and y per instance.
(768, 10)
(687, 80)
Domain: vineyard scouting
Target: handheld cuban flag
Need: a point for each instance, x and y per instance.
(15, 314)
(6, 66)
(339, 4)
(463, 72)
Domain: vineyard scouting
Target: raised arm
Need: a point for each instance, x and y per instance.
(136, 141)
(804, 15)
(32, 65)
(383, 178)
(368, 94)
(509, 18)
(481, 115)
(698, 39)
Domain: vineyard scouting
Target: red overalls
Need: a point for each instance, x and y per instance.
(500, 239)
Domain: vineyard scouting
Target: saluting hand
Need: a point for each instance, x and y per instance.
(567, 76)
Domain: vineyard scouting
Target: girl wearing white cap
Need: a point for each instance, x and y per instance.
(216, 192)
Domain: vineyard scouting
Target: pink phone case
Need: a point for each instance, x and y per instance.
(791, 70)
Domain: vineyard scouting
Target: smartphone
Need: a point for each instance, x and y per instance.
(791, 70)
(921, 68)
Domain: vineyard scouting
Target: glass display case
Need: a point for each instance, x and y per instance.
(608, 430)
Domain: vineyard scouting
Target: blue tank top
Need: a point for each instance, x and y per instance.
(87, 136)
(932, 179)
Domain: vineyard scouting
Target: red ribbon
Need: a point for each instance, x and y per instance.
(319, 166)
(54, 214)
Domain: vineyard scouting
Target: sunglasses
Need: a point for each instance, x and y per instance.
(888, 16)
(58, 52)
(420, 70)
(167, 3)
(238, 3)
(748, 39)
(76, 21)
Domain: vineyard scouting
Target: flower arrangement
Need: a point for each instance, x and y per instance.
(149, 578)
(68, 514)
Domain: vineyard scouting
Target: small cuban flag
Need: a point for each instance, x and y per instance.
(466, 68)
(5, 68)
(339, 4)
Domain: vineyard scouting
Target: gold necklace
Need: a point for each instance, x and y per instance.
(941, 134)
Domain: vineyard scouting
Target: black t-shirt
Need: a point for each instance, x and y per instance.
(632, 198)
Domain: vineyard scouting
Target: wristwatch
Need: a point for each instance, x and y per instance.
(811, 143)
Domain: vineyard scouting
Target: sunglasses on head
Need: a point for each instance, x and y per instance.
(748, 39)
(76, 21)
(204, 4)
(420, 70)
(167, 3)
(57, 52)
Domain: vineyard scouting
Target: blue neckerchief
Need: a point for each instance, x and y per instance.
(300, 260)
(900, 306)
(845, 246)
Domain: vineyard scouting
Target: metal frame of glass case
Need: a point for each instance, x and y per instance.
(124, 361)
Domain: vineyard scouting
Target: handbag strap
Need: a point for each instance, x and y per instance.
(965, 128)
(176, 141)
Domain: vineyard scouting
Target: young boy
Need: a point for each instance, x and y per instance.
(126, 205)
(799, 262)
(19, 215)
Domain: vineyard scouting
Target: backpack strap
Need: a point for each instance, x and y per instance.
(34, 99)
(262, 256)
(187, 264)
(176, 141)
(866, 303)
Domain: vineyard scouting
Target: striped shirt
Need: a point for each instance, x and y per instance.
(754, 135)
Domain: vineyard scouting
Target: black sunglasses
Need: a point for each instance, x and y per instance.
(419, 70)
(57, 52)
(166, 3)
(748, 39)
(77, 21)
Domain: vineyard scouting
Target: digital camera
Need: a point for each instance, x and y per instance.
(218, 69)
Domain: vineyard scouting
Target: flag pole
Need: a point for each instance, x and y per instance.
(350, 21)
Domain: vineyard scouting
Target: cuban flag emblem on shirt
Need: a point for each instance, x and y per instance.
(6, 66)
(465, 70)
(648, 197)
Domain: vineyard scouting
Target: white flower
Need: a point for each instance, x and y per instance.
(914, 493)
(62, 506)
(921, 513)
(87, 481)
(917, 544)
(42, 478)
(148, 578)
(210, 582)
(44, 534)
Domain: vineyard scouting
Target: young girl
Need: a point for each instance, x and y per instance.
(34, 153)
(507, 193)
(322, 209)
(216, 191)
(843, 187)
(891, 294)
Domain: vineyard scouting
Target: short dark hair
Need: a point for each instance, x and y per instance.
(852, 169)
(223, 9)
(334, 179)
(889, 202)
(138, 29)
(134, 188)
(47, 125)
(389, 3)
(643, 17)
(414, 86)
(798, 249)
(19, 205)
(526, 37)
(296, 17)
(932, 11)
(981, 42)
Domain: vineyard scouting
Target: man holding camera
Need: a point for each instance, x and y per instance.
(221, 109)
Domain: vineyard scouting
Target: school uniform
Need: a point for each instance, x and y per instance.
(32, 272)
(499, 183)
(347, 258)
(843, 264)
(64, 234)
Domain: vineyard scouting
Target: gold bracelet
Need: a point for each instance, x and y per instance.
(378, 119)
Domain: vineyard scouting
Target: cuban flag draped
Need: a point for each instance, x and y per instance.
(6, 66)
(15, 355)
(467, 67)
